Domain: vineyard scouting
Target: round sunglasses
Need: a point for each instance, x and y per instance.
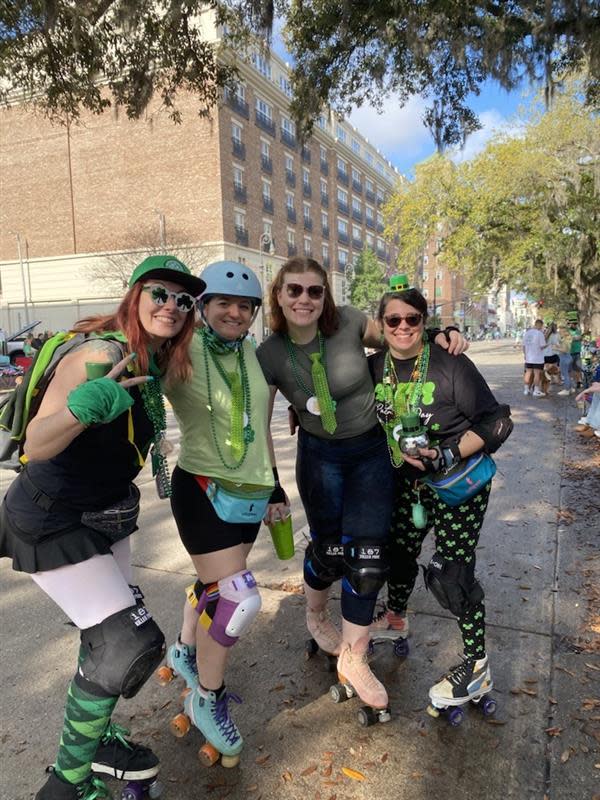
(160, 296)
(412, 320)
(295, 290)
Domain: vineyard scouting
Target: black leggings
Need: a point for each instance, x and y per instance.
(456, 531)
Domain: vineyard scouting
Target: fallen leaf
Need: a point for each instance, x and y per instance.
(491, 721)
(384, 758)
(529, 692)
(287, 776)
(353, 773)
(277, 688)
(416, 775)
(565, 756)
(555, 731)
(309, 770)
(326, 771)
(263, 759)
(592, 666)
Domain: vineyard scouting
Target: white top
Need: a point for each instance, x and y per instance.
(553, 341)
(534, 344)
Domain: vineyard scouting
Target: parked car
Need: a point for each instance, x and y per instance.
(14, 341)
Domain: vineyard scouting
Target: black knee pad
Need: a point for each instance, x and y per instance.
(325, 560)
(366, 565)
(122, 651)
(453, 584)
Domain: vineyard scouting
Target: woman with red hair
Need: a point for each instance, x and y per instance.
(68, 516)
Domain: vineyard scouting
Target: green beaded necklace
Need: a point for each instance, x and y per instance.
(239, 386)
(154, 405)
(319, 375)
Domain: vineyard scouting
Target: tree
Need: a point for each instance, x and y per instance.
(68, 55)
(368, 283)
(346, 52)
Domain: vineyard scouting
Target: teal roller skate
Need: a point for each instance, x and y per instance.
(210, 715)
(181, 660)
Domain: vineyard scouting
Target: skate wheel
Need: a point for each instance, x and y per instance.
(180, 725)
(489, 706)
(208, 755)
(155, 790)
(401, 648)
(367, 716)
(456, 716)
(230, 761)
(311, 648)
(164, 675)
(338, 693)
(433, 711)
(133, 791)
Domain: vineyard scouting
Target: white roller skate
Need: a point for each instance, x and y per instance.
(356, 678)
(469, 681)
(211, 716)
(391, 626)
(325, 636)
(181, 661)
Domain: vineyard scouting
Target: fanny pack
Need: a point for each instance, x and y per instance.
(236, 502)
(117, 521)
(463, 481)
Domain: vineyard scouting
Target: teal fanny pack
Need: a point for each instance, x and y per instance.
(463, 481)
(237, 503)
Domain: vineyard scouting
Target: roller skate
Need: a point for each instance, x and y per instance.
(181, 661)
(355, 678)
(125, 760)
(210, 714)
(325, 636)
(390, 626)
(56, 789)
(469, 681)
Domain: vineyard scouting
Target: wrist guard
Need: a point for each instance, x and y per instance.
(277, 495)
(446, 457)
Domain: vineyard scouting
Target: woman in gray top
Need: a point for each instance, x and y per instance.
(316, 359)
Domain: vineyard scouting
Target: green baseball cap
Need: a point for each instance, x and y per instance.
(170, 269)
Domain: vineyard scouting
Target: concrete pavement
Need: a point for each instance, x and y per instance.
(539, 563)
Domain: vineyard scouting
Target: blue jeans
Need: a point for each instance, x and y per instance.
(347, 489)
(565, 361)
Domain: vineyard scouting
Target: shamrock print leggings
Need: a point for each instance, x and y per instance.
(456, 531)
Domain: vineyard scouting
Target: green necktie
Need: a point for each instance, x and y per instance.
(237, 415)
(326, 405)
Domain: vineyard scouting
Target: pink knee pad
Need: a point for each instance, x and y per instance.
(238, 605)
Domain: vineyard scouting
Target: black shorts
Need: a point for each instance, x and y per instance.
(550, 359)
(200, 529)
(533, 366)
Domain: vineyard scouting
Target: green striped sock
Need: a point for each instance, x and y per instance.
(86, 718)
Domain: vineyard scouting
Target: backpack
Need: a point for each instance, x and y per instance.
(20, 406)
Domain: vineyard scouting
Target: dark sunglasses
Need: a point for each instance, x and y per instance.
(395, 319)
(160, 296)
(295, 290)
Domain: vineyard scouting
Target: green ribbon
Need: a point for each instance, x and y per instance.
(326, 406)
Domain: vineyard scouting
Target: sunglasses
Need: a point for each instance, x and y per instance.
(395, 319)
(160, 296)
(295, 290)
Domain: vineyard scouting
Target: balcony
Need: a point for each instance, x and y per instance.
(290, 178)
(342, 207)
(380, 200)
(325, 231)
(264, 123)
(241, 235)
(307, 221)
(266, 164)
(370, 223)
(292, 250)
(239, 192)
(305, 154)
(357, 244)
(381, 253)
(342, 237)
(325, 199)
(357, 185)
(324, 167)
(357, 215)
(238, 105)
(238, 148)
(288, 139)
(290, 213)
(343, 177)
(306, 190)
(370, 195)
(380, 227)
(267, 204)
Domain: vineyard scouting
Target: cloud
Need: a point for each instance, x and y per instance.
(398, 132)
(492, 122)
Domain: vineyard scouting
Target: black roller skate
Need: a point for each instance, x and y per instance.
(390, 626)
(125, 760)
(56, 789)
(468, 682)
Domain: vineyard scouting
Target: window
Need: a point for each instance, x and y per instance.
(236, 132)
(262, 65)
(439, 275)
(285, 86)
(380, 197)
(342, 257)
(325, 254)
(369, 185)
(322, 153)
(265, 149)
(342, 227)
(305, 176)
(239, 218)
(425, 293)
(369, 158)
(355, 175)
(264, 109)
(289, 163)
(267, 231)
(379, 168)
(289, 200)
(355, 147)
(370, 241)
(291, 237)
(323, 185)
(438, 291)
(307, 247)
(425, 260)
(342, 196)
(369, 213)
(288, 131)
(238, 177)
(322, 122)
(356, 233)
(306, 211)
(342, 166)
(325, 220)
(425, 276)
(340, 133)
(356, 205)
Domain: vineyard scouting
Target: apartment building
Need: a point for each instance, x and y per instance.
(444, 290)
(236, 186)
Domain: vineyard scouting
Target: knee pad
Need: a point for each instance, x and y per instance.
(453, 584)
(122, 651)
(324, 559)
(230, 607)
(365, 565)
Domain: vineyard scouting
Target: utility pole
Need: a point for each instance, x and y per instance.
(25, 303)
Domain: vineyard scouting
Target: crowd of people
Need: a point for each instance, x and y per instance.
(390, 448)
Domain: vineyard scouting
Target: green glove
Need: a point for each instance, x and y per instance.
(99, 401)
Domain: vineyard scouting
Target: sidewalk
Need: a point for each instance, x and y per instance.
(539, 563)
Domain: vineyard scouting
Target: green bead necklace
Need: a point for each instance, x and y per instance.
(239, 387)
(154, 405)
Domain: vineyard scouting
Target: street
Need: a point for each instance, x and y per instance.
(539, 563)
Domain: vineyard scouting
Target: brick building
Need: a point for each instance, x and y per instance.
(236, 186)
